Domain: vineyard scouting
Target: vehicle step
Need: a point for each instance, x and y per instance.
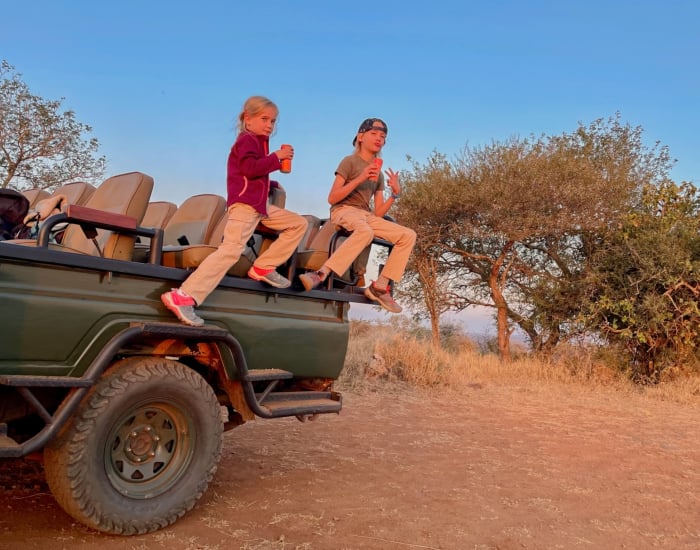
(258, 375)
(302, 403)
(309, 406)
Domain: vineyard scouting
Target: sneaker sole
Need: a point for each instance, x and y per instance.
(176, 311)
(262, 279)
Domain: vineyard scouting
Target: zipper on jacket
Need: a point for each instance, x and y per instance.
(245, 186)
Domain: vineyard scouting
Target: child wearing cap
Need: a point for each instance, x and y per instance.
(358, 205)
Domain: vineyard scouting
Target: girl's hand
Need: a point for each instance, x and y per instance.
(285, 153)
(393, 181)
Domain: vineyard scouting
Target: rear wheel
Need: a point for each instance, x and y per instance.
(140, 450)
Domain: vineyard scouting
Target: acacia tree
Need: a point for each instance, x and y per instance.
(644, 281)
(427, 285)
(517, 218)
(40, 146)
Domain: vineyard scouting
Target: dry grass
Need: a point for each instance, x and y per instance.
(400, 354)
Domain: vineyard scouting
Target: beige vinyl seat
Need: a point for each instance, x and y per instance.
(190, 228)
(321, 239)
(190, 256)
(35, 195)
(78, 192)
(313, 248)
(119, 201)
(157, 216)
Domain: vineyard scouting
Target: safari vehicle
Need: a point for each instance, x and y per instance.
(126, 406)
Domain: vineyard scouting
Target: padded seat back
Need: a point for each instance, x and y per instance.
(77, 192)
(315, 246)
(191, 255)
(158, 214)
(35, 195)
(57, 202)
(125, 194)
(194, 221)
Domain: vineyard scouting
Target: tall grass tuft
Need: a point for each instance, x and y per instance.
(400, 353)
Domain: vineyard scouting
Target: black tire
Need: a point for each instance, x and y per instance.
(140, 450)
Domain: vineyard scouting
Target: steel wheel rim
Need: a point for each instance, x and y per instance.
(149, 450)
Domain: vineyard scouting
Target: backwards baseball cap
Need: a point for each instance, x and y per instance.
(371, 124)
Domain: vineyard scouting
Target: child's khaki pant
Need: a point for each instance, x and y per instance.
(365, 226)
(242, 221)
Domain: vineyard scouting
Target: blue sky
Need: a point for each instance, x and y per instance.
(161, 83)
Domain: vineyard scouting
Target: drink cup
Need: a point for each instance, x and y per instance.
(378, 165)
(286, 164)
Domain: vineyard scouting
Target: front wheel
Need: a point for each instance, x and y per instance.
(140, 450)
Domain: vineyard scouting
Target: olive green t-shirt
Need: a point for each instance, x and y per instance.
(349, 168)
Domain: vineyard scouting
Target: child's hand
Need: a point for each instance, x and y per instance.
(393, 181)
(371, 172)
(285, 153)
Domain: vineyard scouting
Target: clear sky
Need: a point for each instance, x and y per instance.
(162, 83)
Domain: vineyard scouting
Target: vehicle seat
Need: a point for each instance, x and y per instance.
(35, 195)
(69, 193)
(315, 249)
(124, 194)
(190, 256)
(77, 192)
(157, 216)
(191, 228)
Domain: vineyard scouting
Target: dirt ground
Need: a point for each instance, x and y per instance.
(494, 468)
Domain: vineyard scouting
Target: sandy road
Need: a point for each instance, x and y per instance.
(494, 468)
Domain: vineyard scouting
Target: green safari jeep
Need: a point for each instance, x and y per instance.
(126, 406)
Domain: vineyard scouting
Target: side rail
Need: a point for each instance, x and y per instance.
(90, 219)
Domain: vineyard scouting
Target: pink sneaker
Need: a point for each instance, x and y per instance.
(182, 306)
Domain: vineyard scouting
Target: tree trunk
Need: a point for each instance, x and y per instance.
(435, 329)
(502, 327)
(427, 274)
(501, 305)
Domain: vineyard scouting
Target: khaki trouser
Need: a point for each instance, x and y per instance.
(242, 221)
(365, 226)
